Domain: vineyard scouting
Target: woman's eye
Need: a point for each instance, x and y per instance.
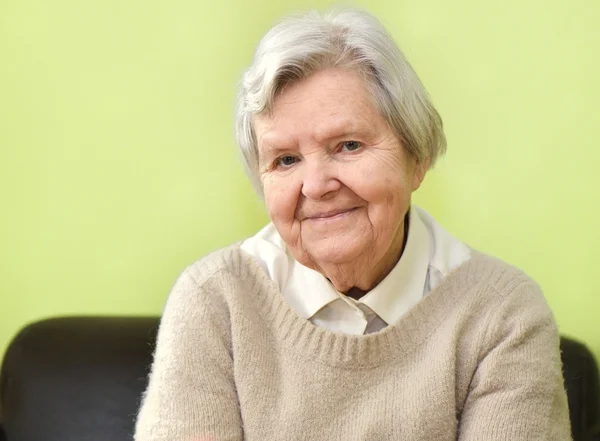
(350, 146)
(286, 161)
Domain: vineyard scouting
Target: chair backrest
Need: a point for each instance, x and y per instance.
(583, 388)
(76, 379)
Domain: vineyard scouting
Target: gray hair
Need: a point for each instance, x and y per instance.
(301, 45)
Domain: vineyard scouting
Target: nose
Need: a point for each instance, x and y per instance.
(319, 179)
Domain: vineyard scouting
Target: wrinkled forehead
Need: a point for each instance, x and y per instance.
(273, 135)
(327, 104)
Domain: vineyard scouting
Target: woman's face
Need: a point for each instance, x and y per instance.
(337, 182)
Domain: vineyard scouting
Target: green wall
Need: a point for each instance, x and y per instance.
(118, 166)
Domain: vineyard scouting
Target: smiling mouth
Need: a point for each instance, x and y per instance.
(331, 215)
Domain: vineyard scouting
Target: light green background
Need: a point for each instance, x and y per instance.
(118, 166)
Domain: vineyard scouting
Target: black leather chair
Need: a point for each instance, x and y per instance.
(583, 390)
(81, 378)
(76, 378)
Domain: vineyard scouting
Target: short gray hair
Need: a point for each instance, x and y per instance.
(301, 45)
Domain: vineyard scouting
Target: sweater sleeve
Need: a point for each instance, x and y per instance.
(517, 391)
(191, 394)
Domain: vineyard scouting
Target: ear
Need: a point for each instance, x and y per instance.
(421, 168)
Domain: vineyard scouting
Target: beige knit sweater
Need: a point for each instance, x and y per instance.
(476, 360)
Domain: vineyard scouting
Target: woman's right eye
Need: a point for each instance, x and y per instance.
(286, 160)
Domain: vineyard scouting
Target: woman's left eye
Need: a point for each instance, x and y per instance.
(351, 146)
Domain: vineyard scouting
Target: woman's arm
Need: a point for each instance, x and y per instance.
(517, 391)
(191, 393)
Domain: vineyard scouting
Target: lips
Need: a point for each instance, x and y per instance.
(329, 214)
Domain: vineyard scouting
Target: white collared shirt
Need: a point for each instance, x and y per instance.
(429, 255)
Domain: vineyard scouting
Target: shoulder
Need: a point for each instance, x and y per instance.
(231, 261)
(494, 273)
(218, 275)
(510, 294)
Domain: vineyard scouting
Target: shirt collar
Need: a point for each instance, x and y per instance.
(403, 287)
(447, 253)
(307, 291)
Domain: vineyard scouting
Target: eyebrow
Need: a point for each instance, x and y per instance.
(272, 144)
(342, 128)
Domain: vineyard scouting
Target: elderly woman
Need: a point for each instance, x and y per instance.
(353, 315)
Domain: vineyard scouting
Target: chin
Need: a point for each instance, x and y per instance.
(334, 253)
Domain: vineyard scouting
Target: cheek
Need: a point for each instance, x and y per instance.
(387, 192)
(281, 199)
(378, 185)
